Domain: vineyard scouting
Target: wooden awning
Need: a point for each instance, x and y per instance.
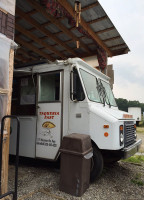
(46, 29)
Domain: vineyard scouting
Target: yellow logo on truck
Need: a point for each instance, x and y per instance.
(48, 125)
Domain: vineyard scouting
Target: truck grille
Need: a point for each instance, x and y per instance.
(129, 133)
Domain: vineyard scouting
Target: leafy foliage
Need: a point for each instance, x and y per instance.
(123, 104)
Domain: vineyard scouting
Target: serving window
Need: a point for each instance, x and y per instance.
(49, 87)
(24, 96)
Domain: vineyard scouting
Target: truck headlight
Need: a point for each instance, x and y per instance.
(121, 138)
(121, 135)
(135, 134)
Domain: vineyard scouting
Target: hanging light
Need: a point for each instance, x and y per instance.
(77, 17)
(77, 44)
(77, 13)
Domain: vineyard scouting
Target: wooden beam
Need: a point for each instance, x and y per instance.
(27, 54)
(33, 48)
(85, 26)
(105, 30)
(113, 38)
(82, 37)
(42, 29)
(97, 20)
(6, 141)
(90, 22)
(121, 51)
(42, 25)
(118, 45)
(38, 40)
(90, 6)
(32, 12)
(20, 57)
(44, 38)
(40, 9)
(46, 24)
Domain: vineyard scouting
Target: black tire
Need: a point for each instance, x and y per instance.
(97, 164)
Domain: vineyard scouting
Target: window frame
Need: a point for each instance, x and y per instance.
(96, 79)
(60, 87)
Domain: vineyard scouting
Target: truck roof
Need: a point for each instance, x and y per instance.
(57, 65)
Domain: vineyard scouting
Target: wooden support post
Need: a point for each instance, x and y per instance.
(5, 155)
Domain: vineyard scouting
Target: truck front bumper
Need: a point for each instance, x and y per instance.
(131, 150)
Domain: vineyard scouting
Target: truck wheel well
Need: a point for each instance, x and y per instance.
(94, 144)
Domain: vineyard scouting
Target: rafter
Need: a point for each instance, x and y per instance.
(113, 38)
(56, 22)
(82, 37)
(42, 25)
(97, 20)
(32, 12)
(85, 26)
(118, 45)
(43, 30)
(90, 22)
(44, 38)
(121, 51)
(25, 53)
(38, 40)
(105, 30)
(90, 6)
(33, 48)
(20, 57)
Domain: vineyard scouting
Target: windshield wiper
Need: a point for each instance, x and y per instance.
(102, 92)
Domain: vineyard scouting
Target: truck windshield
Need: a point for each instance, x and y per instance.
(97, 90)
(91, 84)
(110, 100)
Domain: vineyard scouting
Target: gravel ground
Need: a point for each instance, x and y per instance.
(141, 136)
(39, 180)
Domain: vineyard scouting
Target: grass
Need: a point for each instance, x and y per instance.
(137, 180)
(141, 123)
(137, 159)
(140, 129)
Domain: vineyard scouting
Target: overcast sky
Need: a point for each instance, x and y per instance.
(128, 18)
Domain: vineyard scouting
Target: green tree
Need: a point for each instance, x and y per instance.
(123, 104)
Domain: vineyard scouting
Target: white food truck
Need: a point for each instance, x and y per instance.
(54, 100)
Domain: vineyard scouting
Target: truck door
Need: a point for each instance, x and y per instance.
(49, 115)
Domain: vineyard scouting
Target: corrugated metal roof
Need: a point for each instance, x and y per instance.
(92, 13)
(101, 25)
(109, 34)
(39, 18)
(52, 28)
(63, 37)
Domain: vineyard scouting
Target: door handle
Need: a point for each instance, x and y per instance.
(37, 107)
